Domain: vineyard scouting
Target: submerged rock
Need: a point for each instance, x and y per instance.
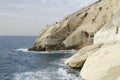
(78, 29)
(104, 64)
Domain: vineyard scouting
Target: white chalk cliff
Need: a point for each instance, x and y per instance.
(78, 29)
(110, 32)
(104, 64)
(111, 9)
(102, 59)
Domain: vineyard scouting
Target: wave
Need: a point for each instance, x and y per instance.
(59, 74)
(22, 50)
(45, 52)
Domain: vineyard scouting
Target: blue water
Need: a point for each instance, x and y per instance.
(16, 63)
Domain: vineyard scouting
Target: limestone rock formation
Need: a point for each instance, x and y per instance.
(53, 36)
(77, 60)
(78, 29)
(110, 32)
(104, 64)
(97, 16)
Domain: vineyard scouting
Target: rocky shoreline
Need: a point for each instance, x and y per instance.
(94, 32)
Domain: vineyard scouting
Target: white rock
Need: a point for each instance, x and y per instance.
(77, 60)
(110, 32)
(103, 64)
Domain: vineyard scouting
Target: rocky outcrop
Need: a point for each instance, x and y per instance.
(97, 16)
(103, 64)
(77, 60)
(78, 29)
(54, 35)
(110, 32)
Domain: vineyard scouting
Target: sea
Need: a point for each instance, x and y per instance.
(17, 63)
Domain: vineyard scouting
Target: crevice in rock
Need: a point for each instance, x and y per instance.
(117, 29)
(82, 12)
(100, 8)
(68, 27)
(85, 15)
(107, 8)
(86, 34)
(95, 17)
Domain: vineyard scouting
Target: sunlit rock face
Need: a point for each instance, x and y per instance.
(110, 32)
(104, 64)
(77, 60)
(98, 15)
(78, 29)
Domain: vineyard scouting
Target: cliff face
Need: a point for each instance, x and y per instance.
(102, 59)
(110, 32)
(107, 59)
(78, 29)
(97, 16)
(77, 60)
(103, 64)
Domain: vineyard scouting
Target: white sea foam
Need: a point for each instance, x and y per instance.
(59, 74)
(61, 62)
(45, 52)
(59, 51)
(22, 50)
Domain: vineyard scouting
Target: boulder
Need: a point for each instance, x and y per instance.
(104, 64)
(77, 60)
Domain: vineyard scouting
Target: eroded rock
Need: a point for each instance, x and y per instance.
(104, 64)
(97, 16)
(77, 60)
(110, 32)
(78, 29)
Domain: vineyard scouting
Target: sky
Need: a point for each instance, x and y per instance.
(28, 17)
